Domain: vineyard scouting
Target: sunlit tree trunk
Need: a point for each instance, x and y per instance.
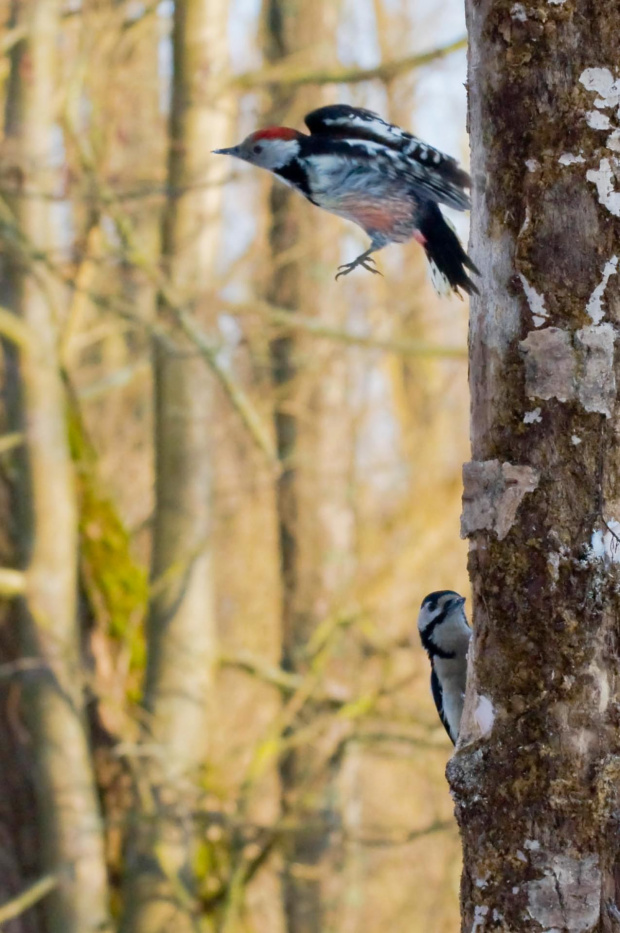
(69, 818)
(160, 894)
(316, 521)
(536, 773)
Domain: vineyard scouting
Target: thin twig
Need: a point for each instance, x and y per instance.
(32, 895)
(11, 441)
(22, 666)
(401, 840)
(233, 390)
(12, 583)
(294, 321)
(287, 76)
(13, 329)
(11, 38)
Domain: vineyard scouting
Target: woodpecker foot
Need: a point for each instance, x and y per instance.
(362, 261)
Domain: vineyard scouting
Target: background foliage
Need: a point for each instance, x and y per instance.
(333, 423)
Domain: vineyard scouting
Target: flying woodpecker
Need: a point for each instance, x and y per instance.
(390, 183)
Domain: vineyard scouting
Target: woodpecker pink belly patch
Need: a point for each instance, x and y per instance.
(381, 216)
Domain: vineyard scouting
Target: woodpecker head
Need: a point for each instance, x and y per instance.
(442, 624)
(271, 148)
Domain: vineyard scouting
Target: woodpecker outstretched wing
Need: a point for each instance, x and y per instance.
(433, 175)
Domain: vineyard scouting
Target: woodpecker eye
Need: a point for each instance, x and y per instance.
(257, 148)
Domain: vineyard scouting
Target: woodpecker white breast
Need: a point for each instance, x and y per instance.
(358, 166)
(445, 636)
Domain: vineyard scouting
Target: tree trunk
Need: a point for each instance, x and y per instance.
(160, 891)
(536, 772)
(316, 541)
(71, 832)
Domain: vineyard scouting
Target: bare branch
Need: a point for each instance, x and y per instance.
(13, 329)
(287, 76)
(12, 583)
(11, 38)
(22, 666)
(11, 441)
(32, 895)
(294, 321)
(231, 386)
(403, 839)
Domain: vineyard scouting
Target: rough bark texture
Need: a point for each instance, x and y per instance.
(536, 772)
(71, 831)
(181, 630)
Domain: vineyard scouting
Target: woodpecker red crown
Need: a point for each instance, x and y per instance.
(276, 132)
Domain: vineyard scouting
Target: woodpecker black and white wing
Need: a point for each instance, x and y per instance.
(438, 698)
(435, 175)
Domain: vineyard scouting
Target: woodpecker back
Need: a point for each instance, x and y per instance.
(358, 166)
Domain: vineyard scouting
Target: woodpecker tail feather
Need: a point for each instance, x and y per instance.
(447, 259)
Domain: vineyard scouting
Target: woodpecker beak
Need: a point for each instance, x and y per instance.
(232, 151)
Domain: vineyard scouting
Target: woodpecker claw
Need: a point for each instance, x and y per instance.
(362, 261)
(374, 271)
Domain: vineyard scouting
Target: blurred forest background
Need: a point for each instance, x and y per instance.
(226, 480)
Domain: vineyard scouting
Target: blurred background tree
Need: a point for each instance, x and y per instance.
(226, 480)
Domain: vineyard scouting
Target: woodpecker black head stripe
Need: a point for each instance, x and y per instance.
(426, 636)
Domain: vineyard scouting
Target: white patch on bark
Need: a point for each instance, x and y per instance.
(553, 565)
(480, 914)
(532, 416)
(532, 844)
(536, 302)
(575, 441)
(597, 120)
(554, 368)
(601, 679)
(484, 714)
(595, 303)
(604, 179)
(567, 158)
(602, 81)
(526, 220)
(605, 544)
(532, 165)
(550, 364)
(596, 387)
(492, 494)
(568, 895)
(521, 855)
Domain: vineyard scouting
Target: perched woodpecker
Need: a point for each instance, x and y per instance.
(445, 635)
(387, 181)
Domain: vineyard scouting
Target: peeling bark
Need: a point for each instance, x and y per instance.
(537, 792)
(492, 494)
